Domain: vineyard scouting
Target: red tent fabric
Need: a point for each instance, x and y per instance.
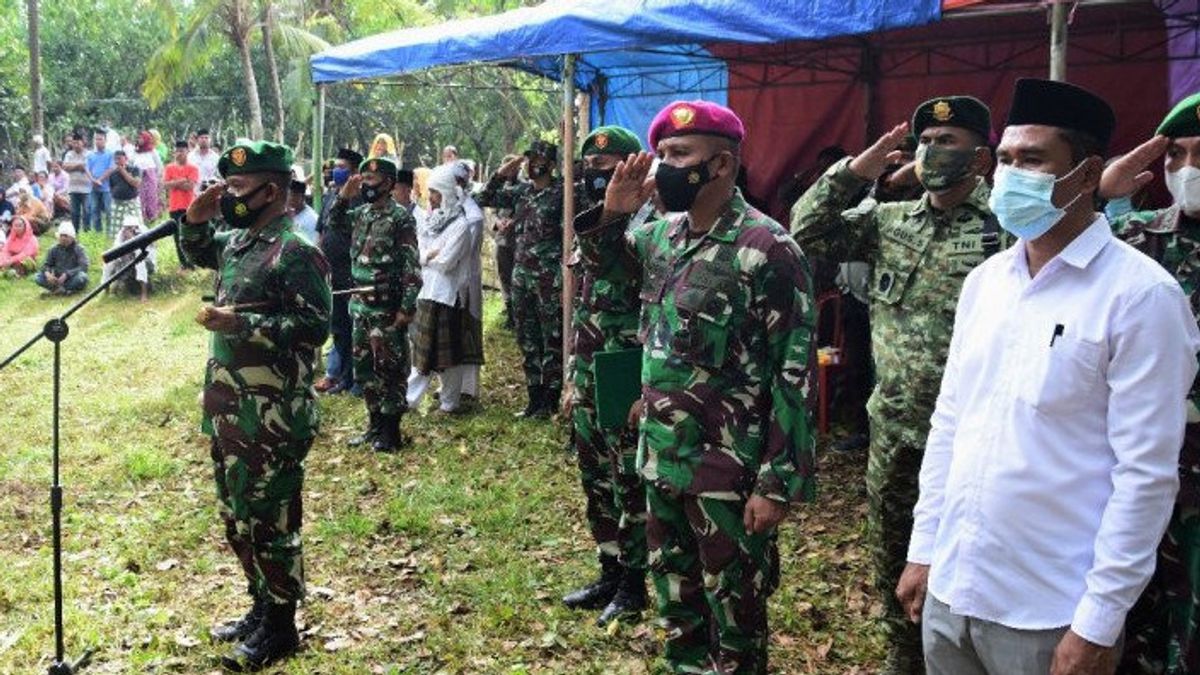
(798, 98)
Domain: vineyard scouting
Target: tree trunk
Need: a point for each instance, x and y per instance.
(241, 41)
(35, 68)
(268, 29)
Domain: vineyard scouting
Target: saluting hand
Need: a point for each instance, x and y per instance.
(207, 205)
(872, 162)
(630, 186)
(1128, 174)
(351, 188)
(511, 166)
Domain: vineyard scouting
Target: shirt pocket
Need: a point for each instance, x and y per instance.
(893, 273)
(1065, 377)
(704, 336)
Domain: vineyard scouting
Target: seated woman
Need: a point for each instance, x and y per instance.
(19, 255)
(439, 342)
(137, 281)
(34, 211)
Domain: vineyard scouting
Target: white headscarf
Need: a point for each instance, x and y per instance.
(442, 179)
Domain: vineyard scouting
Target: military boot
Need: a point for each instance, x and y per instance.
(601, 591)
(388, 439)
(368, 436)
(235, 631)
(536, 394)
(550, 399)
(630, 600)
(274, 639)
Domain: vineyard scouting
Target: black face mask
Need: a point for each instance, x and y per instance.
(538, 171)
(678, 185)
(595, 182)
(237, 211)
(373, 193)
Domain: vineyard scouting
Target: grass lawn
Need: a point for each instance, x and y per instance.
(449, 557)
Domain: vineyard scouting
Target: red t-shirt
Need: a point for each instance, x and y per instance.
(179, 200)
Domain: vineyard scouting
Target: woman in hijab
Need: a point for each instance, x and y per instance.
(19, 255)
(439, 342)
(146, 159)
(384, 146)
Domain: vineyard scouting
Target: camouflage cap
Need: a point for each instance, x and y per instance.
(384, 167)
(1184, 119)
(255, 157)
(964, 112)
(611, 140)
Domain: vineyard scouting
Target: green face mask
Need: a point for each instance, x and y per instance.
(940, 169)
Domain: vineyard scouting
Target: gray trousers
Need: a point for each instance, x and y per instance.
(960, 645)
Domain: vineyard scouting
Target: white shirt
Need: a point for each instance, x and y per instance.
(443, 275)
(41, 159)
(205, 163)
(1050, 471)
(305, 222)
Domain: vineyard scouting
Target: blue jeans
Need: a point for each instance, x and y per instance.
(74, 282)
(79, 209)
(100, 204)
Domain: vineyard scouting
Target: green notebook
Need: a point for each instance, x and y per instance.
(618, 385)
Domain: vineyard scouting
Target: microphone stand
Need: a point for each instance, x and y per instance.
(56, 330)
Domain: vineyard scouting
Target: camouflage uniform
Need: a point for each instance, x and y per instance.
(259, 403)
(537, 274)
(1163, 628)
(605, 318)
(920, 257)
(727, 328)
(383, 253)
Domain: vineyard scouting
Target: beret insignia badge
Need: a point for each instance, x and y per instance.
(942, 111)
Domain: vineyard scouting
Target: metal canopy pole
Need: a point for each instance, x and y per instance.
(568, 173)
(318, 150)
(1058, 41)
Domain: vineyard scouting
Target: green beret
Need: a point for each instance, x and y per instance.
(255, 157)
(380, 165)
(964, 112)
(1184, 119)
(611, 140)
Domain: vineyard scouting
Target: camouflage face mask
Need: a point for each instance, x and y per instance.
(940, 169)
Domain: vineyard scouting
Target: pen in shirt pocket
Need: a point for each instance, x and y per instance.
(1058, 331)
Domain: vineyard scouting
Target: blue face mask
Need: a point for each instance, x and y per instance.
(1023, 201)
(340, 176)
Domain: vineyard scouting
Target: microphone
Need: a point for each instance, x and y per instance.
(140, 242)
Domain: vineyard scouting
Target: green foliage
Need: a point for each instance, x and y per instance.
(171, 65)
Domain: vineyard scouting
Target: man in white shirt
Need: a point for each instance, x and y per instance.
(41, 155)
(205, 159)
(1050, 469)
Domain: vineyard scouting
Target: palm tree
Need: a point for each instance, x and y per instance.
(196, 39)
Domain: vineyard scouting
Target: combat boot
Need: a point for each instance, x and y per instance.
(550, 399)
(630, 600)
(367, 437)
(388, 438)
(601, 591)
(274, 639)
(235, 631)
(536, 394)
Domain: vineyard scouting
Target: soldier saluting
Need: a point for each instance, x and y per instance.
(259, 403)
(383, 253)
(725, 437)
(921, 251)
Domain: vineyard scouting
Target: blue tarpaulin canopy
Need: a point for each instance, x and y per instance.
(634, 56)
